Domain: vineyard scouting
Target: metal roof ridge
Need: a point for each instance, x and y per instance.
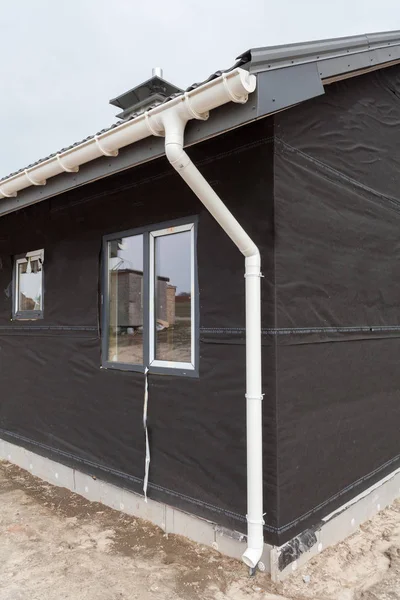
(286, 55)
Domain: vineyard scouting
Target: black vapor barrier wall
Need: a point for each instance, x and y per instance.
(337, 219)
(55, 399)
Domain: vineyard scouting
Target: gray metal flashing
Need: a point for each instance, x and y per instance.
(279, 89)
(333, 57)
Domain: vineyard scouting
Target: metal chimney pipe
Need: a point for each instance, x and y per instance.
(157, 72)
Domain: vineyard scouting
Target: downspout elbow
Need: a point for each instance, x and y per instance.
(174, 130)
(175, 153)
(252, 257)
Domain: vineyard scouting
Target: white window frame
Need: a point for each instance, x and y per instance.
(19, 260)
(153, 362)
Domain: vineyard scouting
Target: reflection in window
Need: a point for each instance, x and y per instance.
(173, 300)
(150, 318)
(28, 292)
(125, 321)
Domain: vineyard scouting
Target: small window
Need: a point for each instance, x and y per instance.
(28, 286)
(150, 300)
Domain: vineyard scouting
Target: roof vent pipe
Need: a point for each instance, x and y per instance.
(145, 96)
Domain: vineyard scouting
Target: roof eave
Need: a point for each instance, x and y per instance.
(287, 75)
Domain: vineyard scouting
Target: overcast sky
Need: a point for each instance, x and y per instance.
(61, 61)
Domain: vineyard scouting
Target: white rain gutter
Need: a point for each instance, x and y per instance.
(169, 120)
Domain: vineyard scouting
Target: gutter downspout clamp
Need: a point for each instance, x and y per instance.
(172, 124)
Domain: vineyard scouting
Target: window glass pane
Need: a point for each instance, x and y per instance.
(125, 310)
(30, 285)
(173, 271)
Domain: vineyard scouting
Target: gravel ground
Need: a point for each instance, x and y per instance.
(55, 545)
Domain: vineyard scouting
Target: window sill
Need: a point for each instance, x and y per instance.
(155, 369)
(27, 316)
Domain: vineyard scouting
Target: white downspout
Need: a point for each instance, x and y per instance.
(173, 123)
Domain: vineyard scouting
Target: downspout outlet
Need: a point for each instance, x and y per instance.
(252, 557)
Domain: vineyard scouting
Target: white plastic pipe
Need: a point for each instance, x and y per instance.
(170, 119)
(174, 126)
(254, 396)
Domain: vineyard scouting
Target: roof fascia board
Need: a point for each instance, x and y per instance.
(344, 76)
(354, 63)
(276, 91)
(221, 120)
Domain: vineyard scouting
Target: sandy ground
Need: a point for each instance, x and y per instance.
(55, 545)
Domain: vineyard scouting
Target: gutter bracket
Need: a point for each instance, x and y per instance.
(64, 167)
(32, 180)
(104, 150)
(6, 194)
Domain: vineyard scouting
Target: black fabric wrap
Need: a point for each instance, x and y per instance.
(317, 188)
